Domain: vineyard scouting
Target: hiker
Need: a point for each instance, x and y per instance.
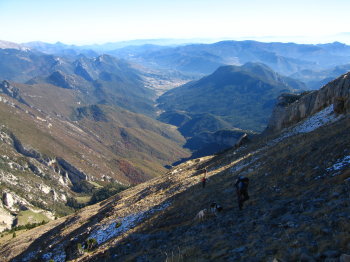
(242, 190)
(204, 178)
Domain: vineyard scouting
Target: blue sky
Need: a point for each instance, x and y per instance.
(99, 21)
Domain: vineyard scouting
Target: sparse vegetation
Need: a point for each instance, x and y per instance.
(100, 193)
(91, 243)
(27, 227)
(106, 192)
(80, 249)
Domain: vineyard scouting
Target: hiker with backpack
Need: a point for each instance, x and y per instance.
(242, 190)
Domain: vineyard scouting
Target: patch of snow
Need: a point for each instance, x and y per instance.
(57, 255)
(109, 231)
(240, 165)
(324, 117)
(340, 164)
(317, 120)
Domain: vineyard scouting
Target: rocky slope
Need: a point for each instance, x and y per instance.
(298, 208)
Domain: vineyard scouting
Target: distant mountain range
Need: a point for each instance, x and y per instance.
(201, 59)
(198, 60)
(314, 79)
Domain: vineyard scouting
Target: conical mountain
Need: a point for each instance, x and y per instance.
(242, 96)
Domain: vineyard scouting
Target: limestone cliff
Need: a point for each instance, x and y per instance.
(291, 109)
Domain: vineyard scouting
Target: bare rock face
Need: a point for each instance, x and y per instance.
(14, 202)
(8, 200)
(291, 109)
(6, 219)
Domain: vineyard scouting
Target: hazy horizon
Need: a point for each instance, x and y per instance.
(179, 41)
(95, 22)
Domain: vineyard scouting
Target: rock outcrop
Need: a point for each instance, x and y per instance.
(11, 91)
(291, 109)
(6, 219)
(14, 202)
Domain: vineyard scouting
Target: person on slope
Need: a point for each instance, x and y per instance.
(204, 178)
(242, 190)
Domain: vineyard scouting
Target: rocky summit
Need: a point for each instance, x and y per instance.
(298, 209)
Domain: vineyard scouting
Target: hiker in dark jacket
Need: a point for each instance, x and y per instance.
(242, 190)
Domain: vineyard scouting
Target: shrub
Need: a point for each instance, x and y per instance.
(80, 249)
(14, 235)
(72, 202)
(91, 243)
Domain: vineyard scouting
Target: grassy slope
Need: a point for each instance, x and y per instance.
(93, 146)
(291, 214)
(25, 217)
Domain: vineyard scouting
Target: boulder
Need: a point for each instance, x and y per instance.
(8, 200)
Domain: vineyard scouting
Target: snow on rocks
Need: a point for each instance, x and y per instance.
(340, 164)
(317, 120)
(57, 255)
(119, 226)
(324, 117)
(336, 168)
